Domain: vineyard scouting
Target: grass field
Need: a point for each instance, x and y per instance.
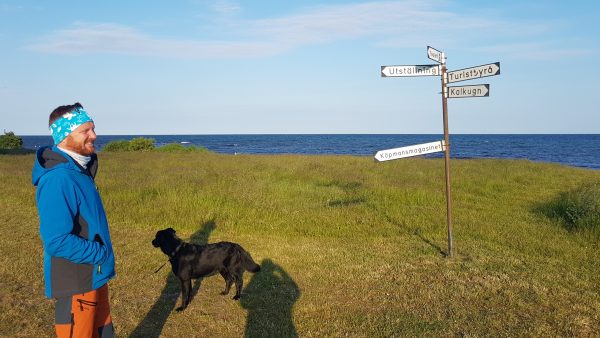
(348, 247)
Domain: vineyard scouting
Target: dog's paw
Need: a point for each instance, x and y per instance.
(223, 293)
(179, 309)
(236, 297)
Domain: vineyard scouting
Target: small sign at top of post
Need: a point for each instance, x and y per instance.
(435, 54)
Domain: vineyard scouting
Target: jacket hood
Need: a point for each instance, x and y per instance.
(48, 159)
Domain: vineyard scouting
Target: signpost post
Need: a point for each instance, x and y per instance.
(446, 77)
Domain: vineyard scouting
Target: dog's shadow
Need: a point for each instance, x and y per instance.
(269, 299)
(154, 321)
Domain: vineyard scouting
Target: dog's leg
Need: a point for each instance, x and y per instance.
(228, 281)
(239, 283)
(186, 294)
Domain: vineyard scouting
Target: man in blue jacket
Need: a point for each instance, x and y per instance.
(78, 254)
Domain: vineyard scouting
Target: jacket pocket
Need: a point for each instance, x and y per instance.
(68, 278)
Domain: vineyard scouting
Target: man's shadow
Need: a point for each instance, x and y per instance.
(154, 321)
(269, 299)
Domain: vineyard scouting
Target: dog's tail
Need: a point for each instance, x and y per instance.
(249, 263)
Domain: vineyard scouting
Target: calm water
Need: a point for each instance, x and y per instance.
(573, 150)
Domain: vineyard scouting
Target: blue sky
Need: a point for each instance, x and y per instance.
(253, 67)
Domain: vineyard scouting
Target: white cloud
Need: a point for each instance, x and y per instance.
(537, 51)
(226, 7)
(118, 39)
(353, 21)
(394, 23)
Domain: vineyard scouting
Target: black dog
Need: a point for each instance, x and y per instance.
(190, 261)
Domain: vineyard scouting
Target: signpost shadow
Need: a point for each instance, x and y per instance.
(269, 299)
(154, 321)
(436, 247)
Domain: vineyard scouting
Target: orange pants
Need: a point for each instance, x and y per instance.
(84, 315)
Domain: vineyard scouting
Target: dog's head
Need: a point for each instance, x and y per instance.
(166, 240)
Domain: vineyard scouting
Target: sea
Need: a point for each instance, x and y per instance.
(577, 150)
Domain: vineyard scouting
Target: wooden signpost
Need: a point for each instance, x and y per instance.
(446, 77)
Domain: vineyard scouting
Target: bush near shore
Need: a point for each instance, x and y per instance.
(147, 144)
(10, 141)
(348, 247)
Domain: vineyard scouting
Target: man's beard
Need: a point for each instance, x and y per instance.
(78, 147)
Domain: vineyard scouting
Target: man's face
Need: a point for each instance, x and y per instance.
(81, 140)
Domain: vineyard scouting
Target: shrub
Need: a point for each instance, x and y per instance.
(141, 144)
(147, 144)
(119, 145)
(579, 209)
(10, 141)
(137, 144)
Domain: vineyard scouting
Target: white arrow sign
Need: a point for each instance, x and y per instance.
(469, 91)
(435, 54)
(416, 150)
(416, 70)
(474, 72)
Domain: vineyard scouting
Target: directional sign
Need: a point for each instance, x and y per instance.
(416, 70)
(416, 150)
(469, 91)
(474, 72)
(435, 54)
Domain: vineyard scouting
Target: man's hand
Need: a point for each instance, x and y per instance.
(98, 239)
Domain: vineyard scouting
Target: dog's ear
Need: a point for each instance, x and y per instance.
(171, 230)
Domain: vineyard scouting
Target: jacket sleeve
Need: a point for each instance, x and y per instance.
(57, 207)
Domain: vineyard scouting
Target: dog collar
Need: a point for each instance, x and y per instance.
(176, 250)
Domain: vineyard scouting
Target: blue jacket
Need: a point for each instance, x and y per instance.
(78, 254)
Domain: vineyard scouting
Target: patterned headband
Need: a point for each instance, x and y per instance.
(63, 126)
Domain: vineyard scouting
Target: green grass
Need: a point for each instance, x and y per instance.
(349, 247)
(180, 148)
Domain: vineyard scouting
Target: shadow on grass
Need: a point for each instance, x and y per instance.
(417, 231)
(346, 202)
(154, 321)
(269, 299)
(427, 241)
